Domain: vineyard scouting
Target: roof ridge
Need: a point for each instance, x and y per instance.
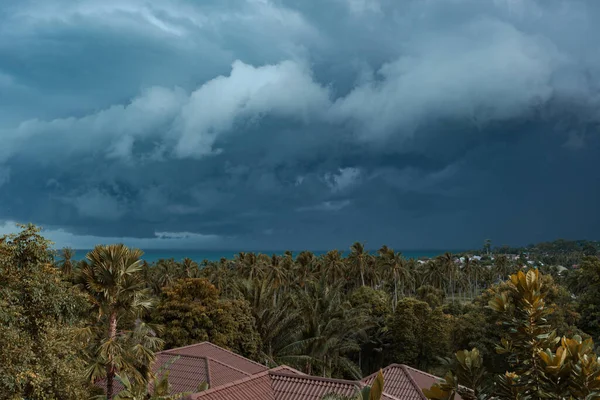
(286, 367)
(413, 382)
(208, 377)
(237, 355)
(315, 378)
(419, 371)
(374, 374)
(230, 366)
(229, 384)
(168, 352)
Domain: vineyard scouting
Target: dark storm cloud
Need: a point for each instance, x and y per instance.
(263, 124)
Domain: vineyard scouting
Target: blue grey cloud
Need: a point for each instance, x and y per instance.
(300, 124)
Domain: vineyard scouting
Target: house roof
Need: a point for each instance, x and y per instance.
(226, 357)
(398, 382)
(233, 377)
(282, 383)
(255, 387)
(404, 382)
(202, 362)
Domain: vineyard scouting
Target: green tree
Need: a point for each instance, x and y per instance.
(330, 330)
(374, 343)
(112, 280)
(358, 259)
(542, 365)
(190, 311)
(419, 334)
(65, 262)
(39, 316)
(586, 283)
(277, 320)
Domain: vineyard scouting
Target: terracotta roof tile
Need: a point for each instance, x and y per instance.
(221, 374)
(255, 387)
(422, 379)
(206, 349)
(399, 383)
(303, 387)
(185, 372)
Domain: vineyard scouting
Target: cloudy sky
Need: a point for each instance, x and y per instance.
(270, 124)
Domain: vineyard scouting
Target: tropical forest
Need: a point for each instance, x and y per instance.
(495, 322)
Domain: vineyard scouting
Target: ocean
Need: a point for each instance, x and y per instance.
(211, 255)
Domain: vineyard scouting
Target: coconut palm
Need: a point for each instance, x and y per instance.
(165, 272)
(304, 267)
(396, 264)
(190, 268)
(65, 262)
(449, 269)
(334, 266)
(276, 272)
(277, 321)
(113, 283)
(358, 259)
(330, 329)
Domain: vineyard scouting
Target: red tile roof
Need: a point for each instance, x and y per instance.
(295, 387)
(209, 350)
(198, 363)
(404, 382)
(185, 373)
(233, 377)
(255, 387)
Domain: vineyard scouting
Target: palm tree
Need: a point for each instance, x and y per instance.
(433, 274)
(449, 269)
(469, 270)
(334, 266)
(331, 327)
(190, 267)
(114, 286)
(395, 263)
(165, 273)
(358, 258)
(65, 262)
(304, 267)
(502, 266)
(277, 321)
(276, 272)
(219, 274)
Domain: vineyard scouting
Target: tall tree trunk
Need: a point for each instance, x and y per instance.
(362, 274)
(395, 291)
(110, 367)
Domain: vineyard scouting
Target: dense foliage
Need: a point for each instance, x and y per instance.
(541, 364)
(39, 317)
(334, 315)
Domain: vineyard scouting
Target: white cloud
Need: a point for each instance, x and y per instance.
(113, 129)
(193, 122)
(486, 70)
(284, 90)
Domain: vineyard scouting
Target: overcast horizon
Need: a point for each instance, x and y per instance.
(300, 124)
